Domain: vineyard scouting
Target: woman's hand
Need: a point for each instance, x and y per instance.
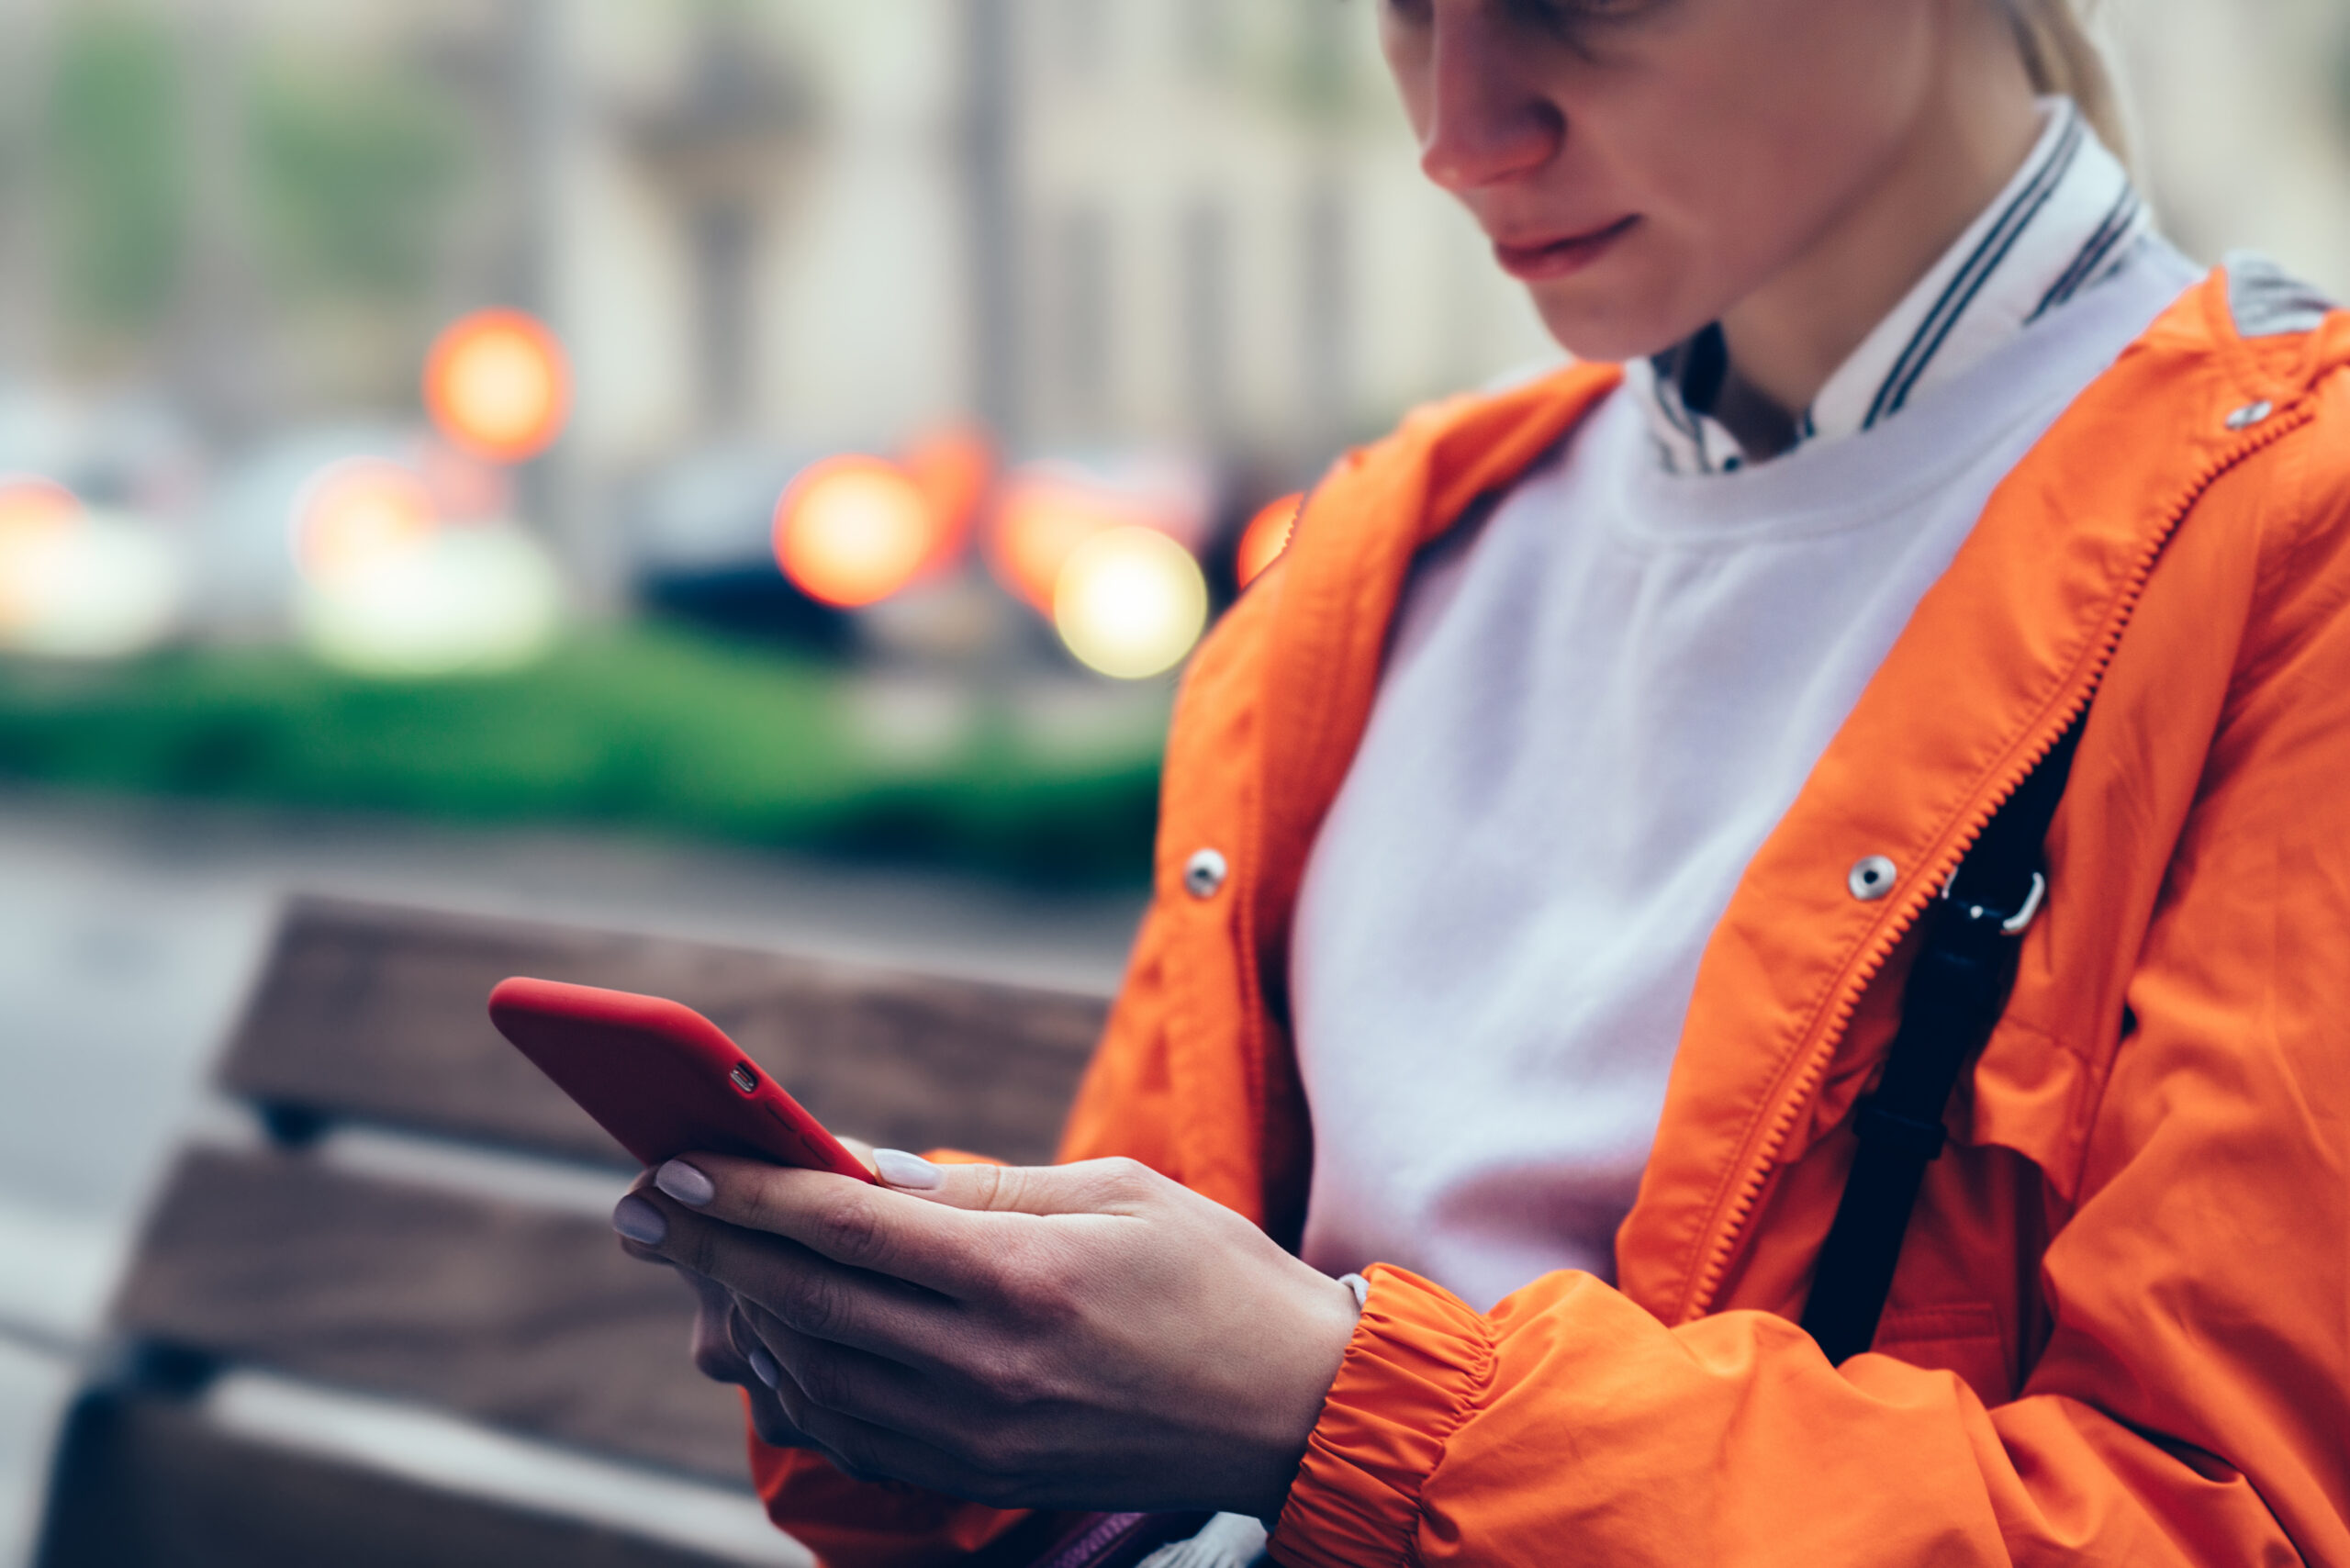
(1079, 1335)
(723, 1349)
(723, 1345)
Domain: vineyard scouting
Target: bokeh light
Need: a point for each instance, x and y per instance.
(467, 600)
(33, 511)
(1266, 535)
(357, 514)
(853, 531)
(30, 505)
(1044, 514)
(497, 385)
(1131, 602)
(953, 465)
(390, 588)
(81, 585)
(108, 589)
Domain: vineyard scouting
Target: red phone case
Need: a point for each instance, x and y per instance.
(661, 1078)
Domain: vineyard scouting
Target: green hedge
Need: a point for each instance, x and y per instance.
(643, 727)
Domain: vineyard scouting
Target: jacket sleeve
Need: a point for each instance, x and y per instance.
(2192, 1404)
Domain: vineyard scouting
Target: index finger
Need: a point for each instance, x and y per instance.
(852, 1223)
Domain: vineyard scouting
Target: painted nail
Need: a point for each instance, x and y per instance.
(764, 1365)
(639, 1221)
(685, 1184)
(899, 1169)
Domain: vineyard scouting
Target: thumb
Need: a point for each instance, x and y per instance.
(1092, 1186)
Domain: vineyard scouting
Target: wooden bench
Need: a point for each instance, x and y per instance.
(403, 1210)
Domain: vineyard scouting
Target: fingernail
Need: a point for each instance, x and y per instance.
(899, 1169)
(639, 1221)
(764, 1365)
(685, 1184)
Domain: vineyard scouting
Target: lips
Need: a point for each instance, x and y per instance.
(1560, 257)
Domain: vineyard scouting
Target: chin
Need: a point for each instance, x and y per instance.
(1613, 320)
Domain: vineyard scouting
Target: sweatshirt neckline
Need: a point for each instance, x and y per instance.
(2068, 219)
(1874, 478)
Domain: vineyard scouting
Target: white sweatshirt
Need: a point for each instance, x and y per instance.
(1600, 701)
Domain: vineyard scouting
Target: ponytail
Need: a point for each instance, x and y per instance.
(2064, 59)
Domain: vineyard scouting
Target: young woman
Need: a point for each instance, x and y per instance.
(1545, 843)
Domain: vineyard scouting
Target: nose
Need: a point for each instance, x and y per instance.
(1487, 122)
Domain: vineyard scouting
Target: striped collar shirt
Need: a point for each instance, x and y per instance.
(2069, 220)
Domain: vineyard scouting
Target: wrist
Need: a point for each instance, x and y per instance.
(1420, 1359)
(1333, 1310)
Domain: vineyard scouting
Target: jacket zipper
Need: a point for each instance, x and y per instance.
(1699, 1296)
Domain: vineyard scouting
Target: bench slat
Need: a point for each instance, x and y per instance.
(377, 1013)
(516, 1316)
(151, 1483)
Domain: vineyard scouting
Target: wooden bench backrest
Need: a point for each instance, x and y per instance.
(500, 1308)
(376, 1014)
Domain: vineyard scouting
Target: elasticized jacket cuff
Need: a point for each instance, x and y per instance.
(1419, 1362)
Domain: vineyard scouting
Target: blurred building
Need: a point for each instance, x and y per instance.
(2242, 112)
(767, 228)
(764, 229)
(1157, 221)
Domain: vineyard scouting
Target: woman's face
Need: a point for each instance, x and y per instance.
(1643, 165)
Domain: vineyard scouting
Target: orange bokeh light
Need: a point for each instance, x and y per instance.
(34, 508)
(33, 511)
(358, 512)
(497, 385)
(953, 466)
(1042, 518)
(852, 531)
(1266, 535)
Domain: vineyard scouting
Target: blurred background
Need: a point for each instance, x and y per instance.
(715, 394)
(744, 468)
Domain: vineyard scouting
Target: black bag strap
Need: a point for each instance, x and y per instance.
(1954, 996)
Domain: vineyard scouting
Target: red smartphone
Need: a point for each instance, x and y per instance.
(661, 1078)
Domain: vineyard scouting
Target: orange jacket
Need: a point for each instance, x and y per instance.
(2121, 1327)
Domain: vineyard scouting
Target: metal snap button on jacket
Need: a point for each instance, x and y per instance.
(2251, 414)
(1873, 878)
(1204, 875)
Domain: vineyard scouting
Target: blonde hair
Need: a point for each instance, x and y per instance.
(2065, 57)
